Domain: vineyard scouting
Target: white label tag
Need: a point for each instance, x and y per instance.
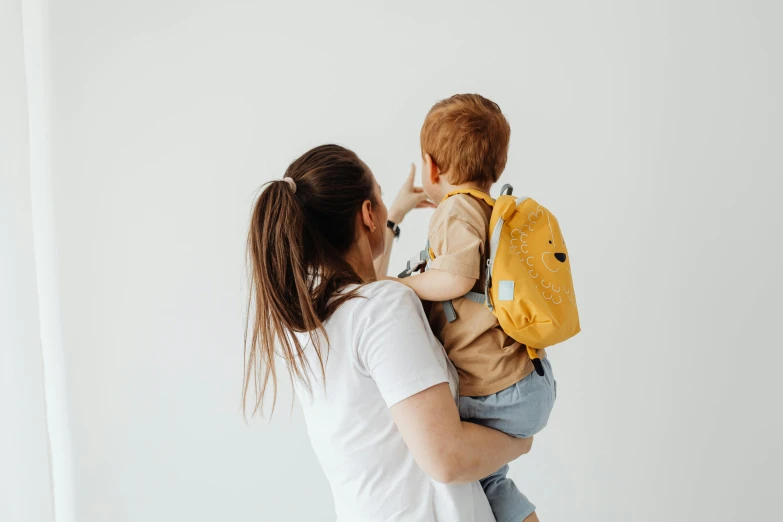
(506, 291)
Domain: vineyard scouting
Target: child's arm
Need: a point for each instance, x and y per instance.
(437, 285)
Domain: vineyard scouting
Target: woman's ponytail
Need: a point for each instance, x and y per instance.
(300, 228)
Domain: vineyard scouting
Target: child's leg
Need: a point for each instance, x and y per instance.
(521, 410)
(507, 502)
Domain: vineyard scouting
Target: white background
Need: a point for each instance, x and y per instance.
(652, 129)
(25, 481)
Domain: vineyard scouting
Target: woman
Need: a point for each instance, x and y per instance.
(377, 391)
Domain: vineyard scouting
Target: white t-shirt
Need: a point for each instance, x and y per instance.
(381, 351)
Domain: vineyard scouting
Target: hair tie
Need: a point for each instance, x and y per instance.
(291, 184)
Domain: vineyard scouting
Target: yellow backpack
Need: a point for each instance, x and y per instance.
(528, 285)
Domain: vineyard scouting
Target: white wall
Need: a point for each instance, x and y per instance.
(25, 481)
(653, 129)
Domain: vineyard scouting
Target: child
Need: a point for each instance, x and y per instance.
(464, 142)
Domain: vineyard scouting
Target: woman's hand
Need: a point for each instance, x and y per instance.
(408, 198)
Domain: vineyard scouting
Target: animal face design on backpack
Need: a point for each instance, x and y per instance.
(539, 246)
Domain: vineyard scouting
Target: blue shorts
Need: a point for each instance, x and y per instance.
(521, 410)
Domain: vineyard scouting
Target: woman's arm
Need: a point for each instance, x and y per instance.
(408, 198)
(447, 449)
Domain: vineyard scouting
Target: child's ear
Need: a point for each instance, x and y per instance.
(431, 170)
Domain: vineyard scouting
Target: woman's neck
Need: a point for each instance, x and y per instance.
(360, 258)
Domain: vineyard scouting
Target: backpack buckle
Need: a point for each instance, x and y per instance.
(414, 265)
(487, 285)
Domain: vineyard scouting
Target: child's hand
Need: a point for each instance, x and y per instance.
(408, 198)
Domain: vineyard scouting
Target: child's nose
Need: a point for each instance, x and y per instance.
(560, 257)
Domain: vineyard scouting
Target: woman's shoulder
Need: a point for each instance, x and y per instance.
(375, 302)
(380, 299)
(381, 303)
(387, 289)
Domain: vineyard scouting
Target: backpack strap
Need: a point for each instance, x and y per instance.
(448, 306)
(486, 198)
(476, 297)
(451, 313)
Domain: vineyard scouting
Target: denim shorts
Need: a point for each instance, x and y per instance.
(521, 410)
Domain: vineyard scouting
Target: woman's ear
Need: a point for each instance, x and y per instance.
(431, 170)
(368, 216)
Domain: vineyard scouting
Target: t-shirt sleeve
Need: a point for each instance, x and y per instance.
(395, 345)
(457, 246)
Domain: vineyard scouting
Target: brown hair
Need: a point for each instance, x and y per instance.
(467, 136)
(298, 235)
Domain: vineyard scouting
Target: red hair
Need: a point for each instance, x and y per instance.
(467, 136)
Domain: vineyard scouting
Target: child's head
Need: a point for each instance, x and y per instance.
(464, 140)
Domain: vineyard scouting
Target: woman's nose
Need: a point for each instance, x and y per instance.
(560, 257)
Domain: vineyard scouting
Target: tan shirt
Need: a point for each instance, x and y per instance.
(486, 358)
